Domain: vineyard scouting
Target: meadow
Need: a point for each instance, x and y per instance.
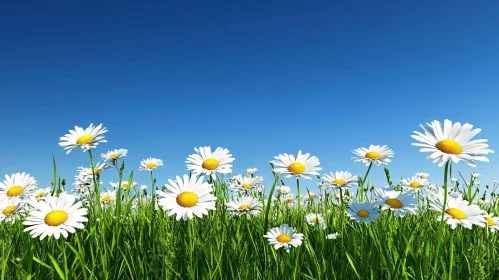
(211, 224)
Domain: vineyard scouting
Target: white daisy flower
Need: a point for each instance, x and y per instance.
(124, 184)
(114, 155)
(284, 236)
(19, 184)
(492, 222)
(375, 154)
(457, 211)
(314, 219)
(332, 235)
(451, 142)
(423, 175)
(85, 138)
(108, 196)
(416, 183)
(206, 162)
(362, 212)
(150, 163)
(283, 189)
(11, 209)
(187, 197)
(399, 203)
(288, 198)
(310, 196)
(340, 179)
(251, 171)
(300, 166)
(143, 187)
(475, 175)
(41, 193)
(246, 184)
(56, 216)
(244, 205)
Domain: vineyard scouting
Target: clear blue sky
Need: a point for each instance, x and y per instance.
(324, 77)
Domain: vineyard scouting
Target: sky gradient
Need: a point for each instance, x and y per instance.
(260, 79)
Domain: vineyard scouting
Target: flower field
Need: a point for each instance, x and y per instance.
(211, 224)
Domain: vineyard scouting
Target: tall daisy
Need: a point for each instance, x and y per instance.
(150, 163)
(187, 197)
(85, 138)
(56, 216)
(301, 166)
(362, 212)
(114, 154)
(244, 205)
(10, 209)
(492, 222)
(210, 163)
(108, 196)
(457, 211)
(246, 184)
(452, 141)
(340, 179)
(284, 236)
(17, 185)
(399, 203)
(374, 154)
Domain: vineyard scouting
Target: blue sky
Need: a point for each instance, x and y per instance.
(260, 79)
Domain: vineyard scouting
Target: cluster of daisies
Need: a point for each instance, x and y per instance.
(47, 212)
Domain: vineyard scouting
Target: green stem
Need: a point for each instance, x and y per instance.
(266, 223)
(364, 181)
(442, 222)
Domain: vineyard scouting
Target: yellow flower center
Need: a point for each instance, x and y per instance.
(373, 155)
(414, 185)
(85, 139)
(490, 222)
(210, 164)
(97, 170)
(339, 182)
(40, 194)
(246, 186)
(106, 198)
(187, 199)
(394, 203)
(456, 213)
(244, 206)
(363, 213)
(449, 147)
(124, 186)
(9, 210)
(113, 156)
(283, 238)
(312, 196)
(56, 218)
(289, 199)
(15, 191)
(316, 220)
(151, 165)
(296, 168)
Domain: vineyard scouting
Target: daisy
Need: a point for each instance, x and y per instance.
(288, 198)
(332, 235)
(475, 175)
(10, 209)
(251, 171)
(56, 216)
(85, 138)
(300, 166)
(375, 154)
(246, 184)
(114, 155)
(315, 219)
(206, 162)
(108, 196)
(453, 180)
(492, 222)
(41, 193)
(283, 189)
(244, 205)
(284, 236)
(416, 183)
(340, 179)
(399, 203)
(19, 184)
(187, 197)
(124, 185)
(451, 142)
(457, 211)
(150, 164)
(423, 175)
(362, 212)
